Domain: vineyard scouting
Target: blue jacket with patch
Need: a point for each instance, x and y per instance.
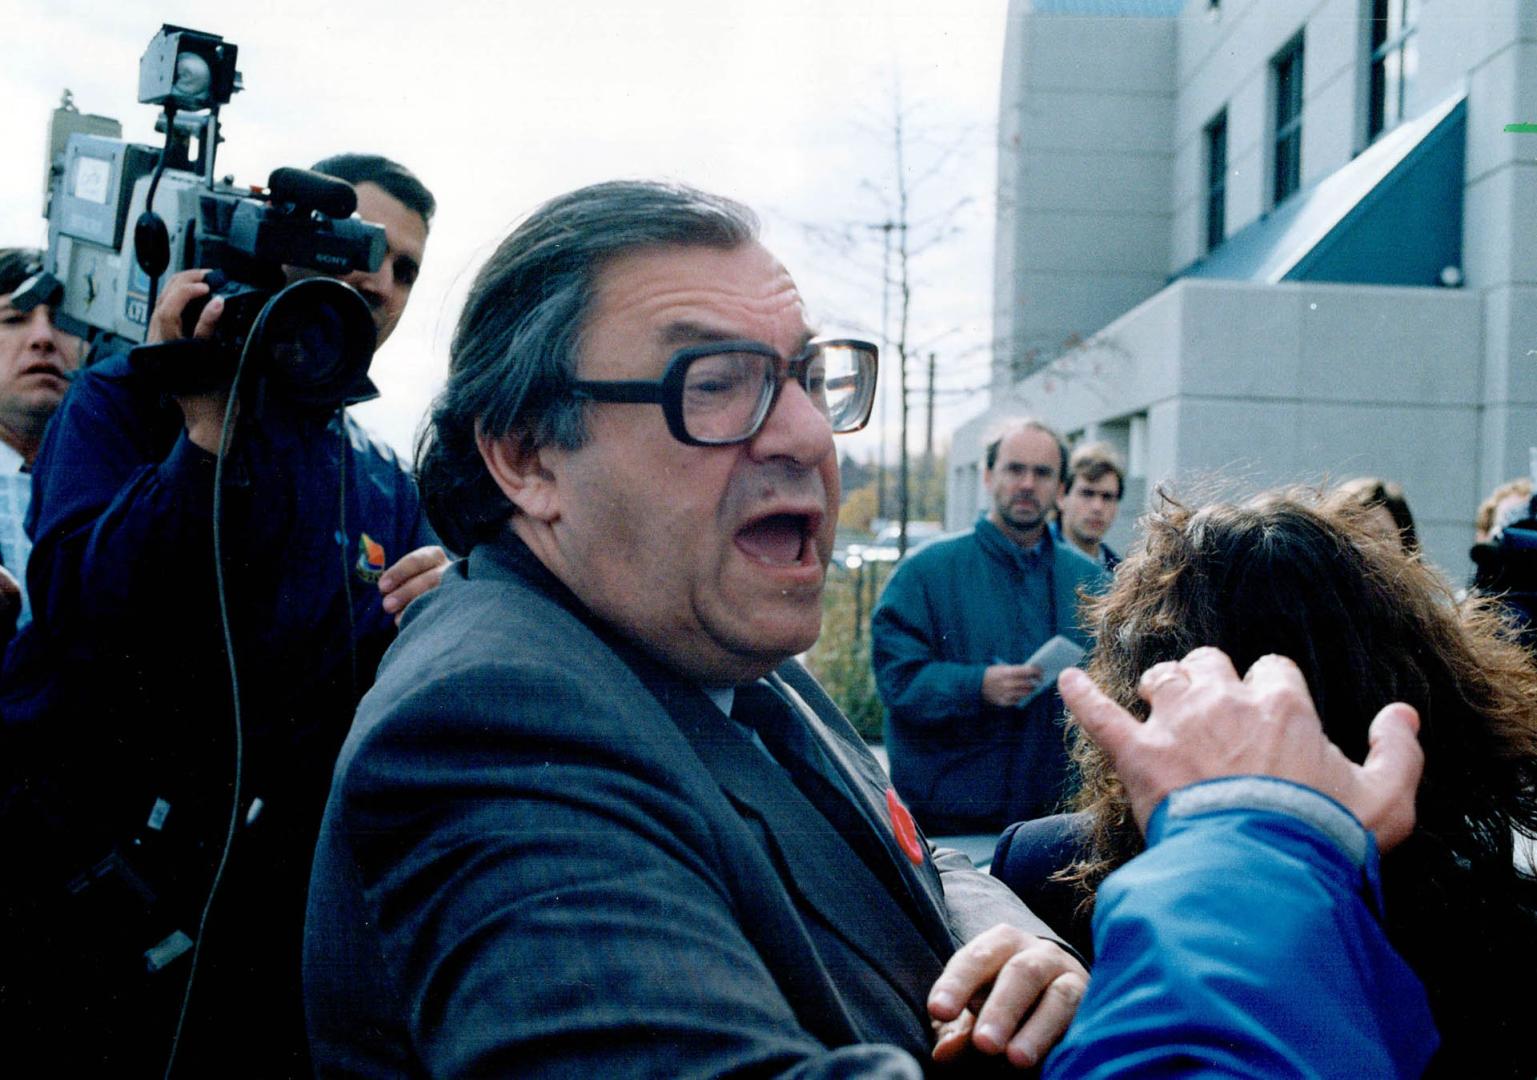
(117, 701)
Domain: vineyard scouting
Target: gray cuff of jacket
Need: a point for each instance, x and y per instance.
(1279, 796)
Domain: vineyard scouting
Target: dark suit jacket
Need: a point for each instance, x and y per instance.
(1030, 852)
(545, 854)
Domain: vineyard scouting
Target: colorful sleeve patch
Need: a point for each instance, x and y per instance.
(370, 564)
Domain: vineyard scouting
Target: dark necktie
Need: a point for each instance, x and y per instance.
(792, 744)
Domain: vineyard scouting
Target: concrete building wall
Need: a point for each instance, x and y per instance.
(1434, 388)
(1083, 185)
(1225, 387)
(1493, 45)
(1224, 62)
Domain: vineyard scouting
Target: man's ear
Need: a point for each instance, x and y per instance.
(514, 463)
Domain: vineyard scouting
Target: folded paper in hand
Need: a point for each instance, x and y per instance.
(1052, 658)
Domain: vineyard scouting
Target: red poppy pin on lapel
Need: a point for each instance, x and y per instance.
(903, 825)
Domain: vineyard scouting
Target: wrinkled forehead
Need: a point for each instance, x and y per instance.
(648, 302)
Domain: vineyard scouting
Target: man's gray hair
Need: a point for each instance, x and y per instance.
(514, 353)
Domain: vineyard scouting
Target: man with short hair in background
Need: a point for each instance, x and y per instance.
(973, 746)
(390, 195)
(37, 360)
(1095, 484)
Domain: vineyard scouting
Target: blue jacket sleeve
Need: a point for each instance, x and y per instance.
(122, 519)
(121, 497)
(915, 684)
(1244, 943)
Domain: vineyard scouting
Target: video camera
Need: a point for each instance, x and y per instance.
(312, 340)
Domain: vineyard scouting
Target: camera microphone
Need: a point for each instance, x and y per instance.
(312, 191)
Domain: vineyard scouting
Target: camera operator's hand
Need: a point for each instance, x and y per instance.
(410, 577)
(202, 413)
(165, 322)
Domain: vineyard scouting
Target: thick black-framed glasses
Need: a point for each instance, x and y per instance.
(720, 393)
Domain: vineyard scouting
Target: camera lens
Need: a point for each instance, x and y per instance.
(317, 339)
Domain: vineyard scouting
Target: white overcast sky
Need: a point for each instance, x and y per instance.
(501, 105)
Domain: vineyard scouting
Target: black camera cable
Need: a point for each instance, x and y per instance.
(229, 651)
(151, 239)
(234, 678)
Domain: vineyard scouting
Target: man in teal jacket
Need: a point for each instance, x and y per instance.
(971, 750)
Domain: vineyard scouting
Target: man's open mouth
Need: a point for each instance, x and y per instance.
(779, 539)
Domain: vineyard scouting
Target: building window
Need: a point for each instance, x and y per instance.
(1216, 180)
(1286, 79)
(1393, 57)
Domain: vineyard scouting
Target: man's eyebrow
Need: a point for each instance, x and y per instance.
(692, 333)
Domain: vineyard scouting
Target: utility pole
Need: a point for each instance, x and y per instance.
(880, 420)
(905, 298)
(902, 240)
(858, 565)
(928, 446)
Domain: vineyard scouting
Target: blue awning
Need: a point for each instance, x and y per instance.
(1392, 216)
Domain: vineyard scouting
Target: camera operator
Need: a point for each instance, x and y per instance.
(37, 360)
(120, 707)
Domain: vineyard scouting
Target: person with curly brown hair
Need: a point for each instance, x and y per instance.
(1387, 510)
(1303, 575)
